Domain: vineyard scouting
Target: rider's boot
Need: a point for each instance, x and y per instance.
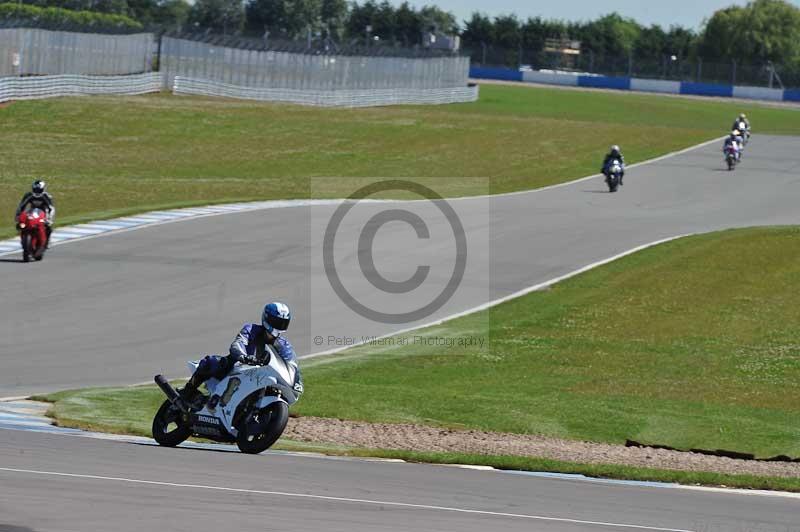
(190, 393)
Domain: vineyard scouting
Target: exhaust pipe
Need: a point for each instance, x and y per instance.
(170, 392)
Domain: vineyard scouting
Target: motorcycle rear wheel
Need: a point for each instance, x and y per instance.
(167, 416)
(261, 431)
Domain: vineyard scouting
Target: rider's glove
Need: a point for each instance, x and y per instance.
(298, 388)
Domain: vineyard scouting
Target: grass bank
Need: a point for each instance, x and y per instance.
(112, 156)
(693, 344)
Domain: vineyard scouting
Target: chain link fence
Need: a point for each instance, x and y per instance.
(666, 67)
(233, 60)
(280, 66)
(29, 52)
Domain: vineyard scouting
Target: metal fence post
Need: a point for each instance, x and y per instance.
(158, 50)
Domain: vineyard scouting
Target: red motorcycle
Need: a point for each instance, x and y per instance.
(33, 234)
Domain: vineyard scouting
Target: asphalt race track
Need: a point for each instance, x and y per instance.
(120, 308)
(122, 487)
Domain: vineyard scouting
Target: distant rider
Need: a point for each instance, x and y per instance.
(251, 346)
(732, 141)
(38, 198)
(742, 118)
(737, 135)
(613, 154)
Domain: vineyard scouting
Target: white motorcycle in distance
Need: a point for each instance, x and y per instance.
(249, 407)
(745, 131)
(614, 175)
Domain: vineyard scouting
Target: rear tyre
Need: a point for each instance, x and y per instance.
(169, 427)
(263, 428)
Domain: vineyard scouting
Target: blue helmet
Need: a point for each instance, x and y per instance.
(276, 318)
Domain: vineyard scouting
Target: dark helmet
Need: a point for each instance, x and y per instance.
(276, 318)
(38, 188)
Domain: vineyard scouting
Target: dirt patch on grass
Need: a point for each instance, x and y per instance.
(421, 438)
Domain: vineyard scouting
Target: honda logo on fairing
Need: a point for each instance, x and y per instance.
(208, 419)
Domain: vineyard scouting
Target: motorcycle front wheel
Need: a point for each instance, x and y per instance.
(26, 248)
(169, 427)
(261, 430)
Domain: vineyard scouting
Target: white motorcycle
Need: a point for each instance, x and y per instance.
(745, 131)
(249, 407)
(614, 175)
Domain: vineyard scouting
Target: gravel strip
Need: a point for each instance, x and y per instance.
(421, 438)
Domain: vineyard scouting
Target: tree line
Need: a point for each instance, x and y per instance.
(59, 17)
(761, 31)
(401, 25)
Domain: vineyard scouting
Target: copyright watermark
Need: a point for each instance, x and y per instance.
(366, 259)
(447, 342)
(395, 254)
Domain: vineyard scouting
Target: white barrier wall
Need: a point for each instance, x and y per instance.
(758, 93)
(328, 98)
(550, 79)
(299, 71)
(34, 88)
(655, 85)
(26, 51)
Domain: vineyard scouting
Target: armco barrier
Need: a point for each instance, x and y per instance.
(328, 98)
(637, 84)
(603, 82)
(758, 93)
(655, 85)
(547, 78)
(34, 88)
(503, 74)
(707, 89)
(792, 95)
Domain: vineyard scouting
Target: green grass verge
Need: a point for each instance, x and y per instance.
(111, 156)
(520, 463)
(693, 344)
